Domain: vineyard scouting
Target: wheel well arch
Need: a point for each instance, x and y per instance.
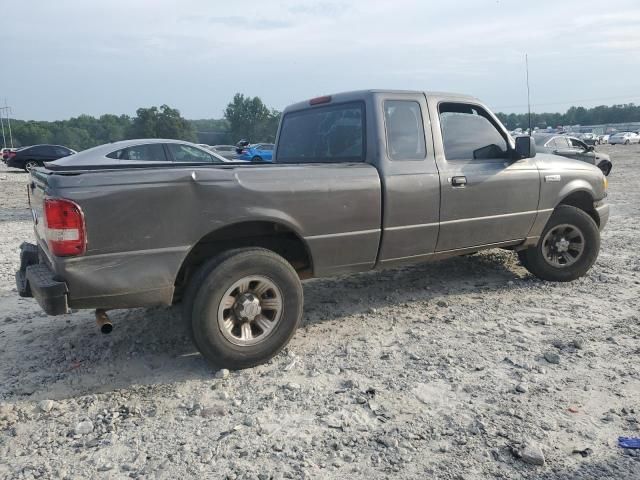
(584, 201)
(271, 235)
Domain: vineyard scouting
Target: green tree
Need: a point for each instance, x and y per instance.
(163, 122)
(251, 119)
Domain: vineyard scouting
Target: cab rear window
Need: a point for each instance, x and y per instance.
(328, 134)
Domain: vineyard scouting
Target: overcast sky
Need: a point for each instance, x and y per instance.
(62, 59)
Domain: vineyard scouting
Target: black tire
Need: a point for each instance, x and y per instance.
(533, 259)
(626, 142)
(207, 289)
(257, 159)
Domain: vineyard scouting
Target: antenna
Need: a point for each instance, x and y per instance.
(526, 62)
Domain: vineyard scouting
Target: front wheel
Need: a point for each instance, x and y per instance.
(256, 159)
(244, 306)
(568, 246)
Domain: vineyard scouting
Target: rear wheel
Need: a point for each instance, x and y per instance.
(244, 307)
(568, 246)
(30, 164)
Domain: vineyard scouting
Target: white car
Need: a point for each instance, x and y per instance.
(624, 138)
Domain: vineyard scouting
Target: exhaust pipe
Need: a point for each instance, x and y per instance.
(103, 321)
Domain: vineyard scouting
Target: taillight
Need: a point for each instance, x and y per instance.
(65, 230)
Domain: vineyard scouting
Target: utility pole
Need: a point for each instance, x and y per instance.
(4, 140)
(9, 120)
(5, 111)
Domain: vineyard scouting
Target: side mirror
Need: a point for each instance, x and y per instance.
(525, 147)
(590, 148)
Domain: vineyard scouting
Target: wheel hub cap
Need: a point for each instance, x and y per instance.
(563, 245)
(250, 310)
(247, 307)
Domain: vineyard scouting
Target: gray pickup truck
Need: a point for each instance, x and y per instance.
(361, 180)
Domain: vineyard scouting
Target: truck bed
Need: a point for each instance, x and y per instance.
(141, 223)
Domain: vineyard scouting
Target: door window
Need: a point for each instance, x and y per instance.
(63, 152)
(40, 150)
(470, 134)
(575, 143)
(562, 143)
(186, 153)
(151, 152)
(405, 133)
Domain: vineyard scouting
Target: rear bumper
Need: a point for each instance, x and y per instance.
(10, 162)
(35, 279)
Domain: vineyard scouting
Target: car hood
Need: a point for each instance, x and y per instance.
(548, 161)
(602, 156)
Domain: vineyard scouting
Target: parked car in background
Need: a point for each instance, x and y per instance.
(227, 151)
(624, 138)
(240, 145)
(258, 152)
(144, 151)
(573, 147)
(4, 153)
(604, 139)
(590, 138)
(27, 158)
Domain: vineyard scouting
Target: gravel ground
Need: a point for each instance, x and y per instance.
(462, 369)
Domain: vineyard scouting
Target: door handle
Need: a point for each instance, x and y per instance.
(458, 181)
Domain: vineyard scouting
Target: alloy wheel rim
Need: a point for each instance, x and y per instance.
(250, 310)
(29, 165)
(563, 245)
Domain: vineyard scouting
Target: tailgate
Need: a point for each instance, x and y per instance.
(37, 189)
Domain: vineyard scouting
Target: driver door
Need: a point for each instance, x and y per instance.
(486, 198)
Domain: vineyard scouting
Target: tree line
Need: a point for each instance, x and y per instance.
(624, 113)
(245, 118)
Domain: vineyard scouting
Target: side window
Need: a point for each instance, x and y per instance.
(405, 133)
(334, 133)
(39, 151)
(562, 143)
(575, 143)
(61, 151)
(151, 152)
(187, 153)
(469, 133)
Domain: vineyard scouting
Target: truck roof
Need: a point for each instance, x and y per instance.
(364, 94)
